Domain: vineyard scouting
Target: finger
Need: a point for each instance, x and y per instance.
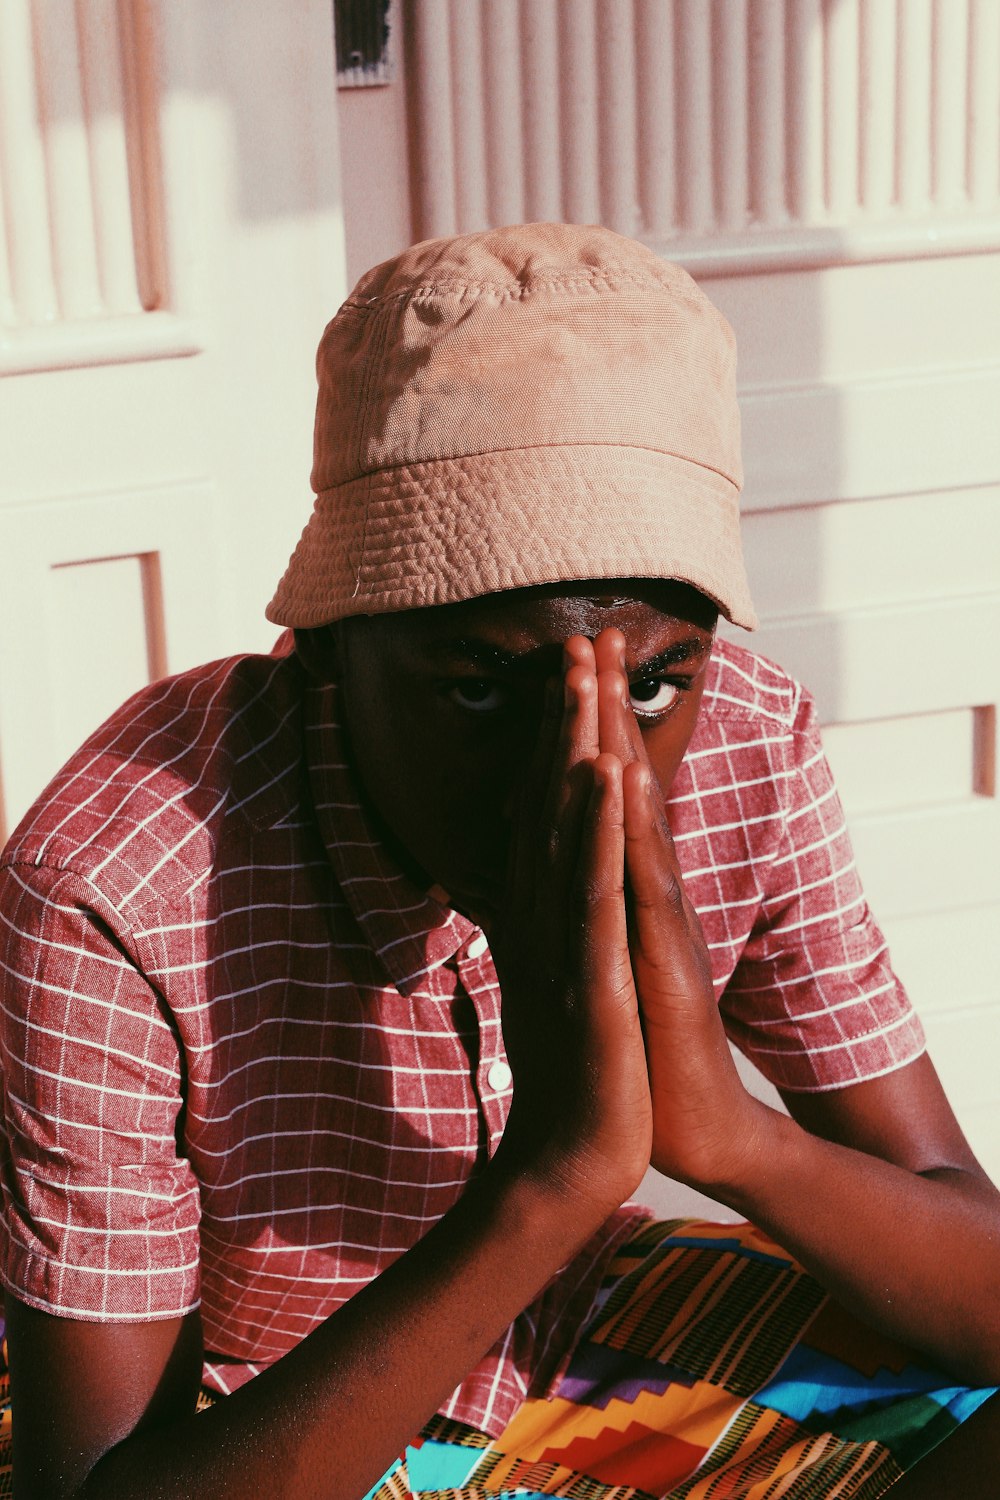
(578, 650)
(609, 651)
(614, 715)
(567, 791)
(609, 655)
(580, 735)
(619, 728)
(580, 739)
(665, 931)
(558, 829)
(605, 966)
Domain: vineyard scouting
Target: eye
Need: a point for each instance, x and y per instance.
(477, 695)
(651, 696)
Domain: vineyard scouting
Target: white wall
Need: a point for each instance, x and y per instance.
(830, 172)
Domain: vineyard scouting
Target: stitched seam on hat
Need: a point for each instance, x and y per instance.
(452, 458)
(361, 409)
(373, 363)
(518, 289)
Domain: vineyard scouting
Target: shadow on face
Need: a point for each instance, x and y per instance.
(443, 706)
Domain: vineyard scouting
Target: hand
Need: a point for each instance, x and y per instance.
(581, 1111)
(704, 1121)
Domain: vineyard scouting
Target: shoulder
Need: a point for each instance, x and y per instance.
(752, 704)
(756, 735)
(140, 806)
(746, 689)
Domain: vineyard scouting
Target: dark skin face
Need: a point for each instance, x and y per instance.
(443, 707)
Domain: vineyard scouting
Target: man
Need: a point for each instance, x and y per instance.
(263, 1128)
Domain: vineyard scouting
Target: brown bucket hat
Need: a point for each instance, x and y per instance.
(529, 405)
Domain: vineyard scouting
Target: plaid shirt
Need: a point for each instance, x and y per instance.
(247, 1062)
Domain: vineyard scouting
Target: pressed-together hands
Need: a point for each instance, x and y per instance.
(620, 1057)
(610, 1020)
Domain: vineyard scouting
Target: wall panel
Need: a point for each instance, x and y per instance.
(83, 260)
(739, 132)
(80, 629)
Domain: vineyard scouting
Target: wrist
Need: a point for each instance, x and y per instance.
(736, 1172)
(559, 1199)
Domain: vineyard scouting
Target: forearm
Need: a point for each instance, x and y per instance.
(329, 1418)
(873, 1233)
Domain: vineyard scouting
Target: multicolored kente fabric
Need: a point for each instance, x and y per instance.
(713, 1368)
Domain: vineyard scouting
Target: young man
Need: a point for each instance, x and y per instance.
(270, 1125)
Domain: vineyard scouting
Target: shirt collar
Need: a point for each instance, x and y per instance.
(411, 930)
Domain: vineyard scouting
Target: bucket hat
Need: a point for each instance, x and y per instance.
(530, 405)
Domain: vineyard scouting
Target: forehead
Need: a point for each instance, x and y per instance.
(524, 622)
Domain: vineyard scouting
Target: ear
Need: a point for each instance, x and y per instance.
(319, 651)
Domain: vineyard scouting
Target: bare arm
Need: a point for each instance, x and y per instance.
(109, 1411)
(863, 1184)
(869, 1210)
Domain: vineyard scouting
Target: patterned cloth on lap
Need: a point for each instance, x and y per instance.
(713, 1368)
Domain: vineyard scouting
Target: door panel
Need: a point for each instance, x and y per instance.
(169, 180)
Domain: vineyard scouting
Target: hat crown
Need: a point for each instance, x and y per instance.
(518, 338)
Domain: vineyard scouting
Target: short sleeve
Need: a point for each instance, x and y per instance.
(813, 1001)
(100, 1211)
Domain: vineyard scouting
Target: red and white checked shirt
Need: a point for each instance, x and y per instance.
(246, 1061)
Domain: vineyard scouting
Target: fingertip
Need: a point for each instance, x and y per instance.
(578, 651)
(608, 769)
(609, 650)
(579, 683)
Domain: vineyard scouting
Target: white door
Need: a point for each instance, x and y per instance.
(170, 246)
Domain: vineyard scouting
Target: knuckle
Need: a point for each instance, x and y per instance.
(671, 894)
(597, 889)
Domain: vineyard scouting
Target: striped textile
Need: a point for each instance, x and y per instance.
(247, 1062)
(713, 1368)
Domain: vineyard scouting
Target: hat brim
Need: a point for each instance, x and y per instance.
(451, 529)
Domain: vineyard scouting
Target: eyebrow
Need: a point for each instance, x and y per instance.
(485, 655)
(478, 653)
(676, 655)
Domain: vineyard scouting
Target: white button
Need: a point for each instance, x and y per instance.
(499, 1077)
(477, 947)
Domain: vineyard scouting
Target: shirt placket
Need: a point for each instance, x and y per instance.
(493, 1079)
